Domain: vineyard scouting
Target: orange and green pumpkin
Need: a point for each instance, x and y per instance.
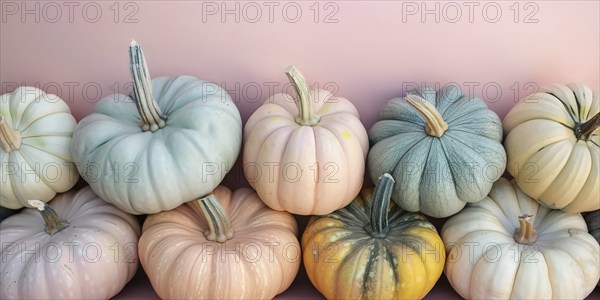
(372, 249)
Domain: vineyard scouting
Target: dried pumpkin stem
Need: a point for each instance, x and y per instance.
(219, 228)
(306, 115)
(151, 117)
(378, 227)
(585, 130)
(54, 223)
(10, 139)
(434, 123)
(526, 234)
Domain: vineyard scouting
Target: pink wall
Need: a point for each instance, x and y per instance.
(374, 52)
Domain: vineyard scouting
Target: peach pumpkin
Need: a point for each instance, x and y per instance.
(305, 156)
(228, 245)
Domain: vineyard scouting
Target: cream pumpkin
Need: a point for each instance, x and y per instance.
(553, 146)
(35, 147)
(305, 156)
(509, 246)
(228, 245)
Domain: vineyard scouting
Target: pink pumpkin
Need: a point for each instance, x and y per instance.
(305, 155)
(80, 247)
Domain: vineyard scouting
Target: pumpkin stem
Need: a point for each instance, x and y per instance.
(306, 115)
(378, 227)
(151, 117)
(54, 223)
(10, 139)
(526, 233)
(584, 130)
(434, 123)
(219, 228)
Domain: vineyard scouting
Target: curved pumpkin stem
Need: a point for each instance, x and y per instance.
(151, 117)
(378, 227)
(54, 223)
(526, 234)
(434, 123)
(10, 139)
(219, 228)
(306, 115)
(585, 130)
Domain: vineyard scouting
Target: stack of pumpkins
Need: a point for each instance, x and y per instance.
(163, 151)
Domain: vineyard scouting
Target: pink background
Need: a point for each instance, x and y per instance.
(371, 54)
(374, 52)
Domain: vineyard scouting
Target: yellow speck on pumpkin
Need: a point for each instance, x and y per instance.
(346, 134)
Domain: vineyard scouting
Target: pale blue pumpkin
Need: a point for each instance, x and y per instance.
(171, 142)
(442, 148)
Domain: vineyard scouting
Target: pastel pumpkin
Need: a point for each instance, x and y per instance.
(35, 147)
(553, 146)
(372, 249)
(305, 156)
(593, 222)
(145, 153)
(508, 246)
(5, 213)
(79, 248)
(228, 245)
(442, 148)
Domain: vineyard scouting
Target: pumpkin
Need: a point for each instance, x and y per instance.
(81, 247)
(508, 246)
(442, 148)
(593, 222)
(5, 213)
(227, 245)
(35, 147)
(372, 249)
(553, 146)
(146, 153)
(305, 155)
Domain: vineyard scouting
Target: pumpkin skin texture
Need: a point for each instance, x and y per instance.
(549, 155)
(93, 258)
(346, 258)
(306, 158)
(441, 162)
(554, 257)
(35, 147)
(257, 259)
(145, 169)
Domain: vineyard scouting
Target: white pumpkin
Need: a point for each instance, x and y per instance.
(553, 146)
(35, 141)
(509, 246)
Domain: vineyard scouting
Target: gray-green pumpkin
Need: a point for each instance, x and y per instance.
(593, 222)
(442, 148)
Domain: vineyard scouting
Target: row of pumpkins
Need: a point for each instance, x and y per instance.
(432, 153)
